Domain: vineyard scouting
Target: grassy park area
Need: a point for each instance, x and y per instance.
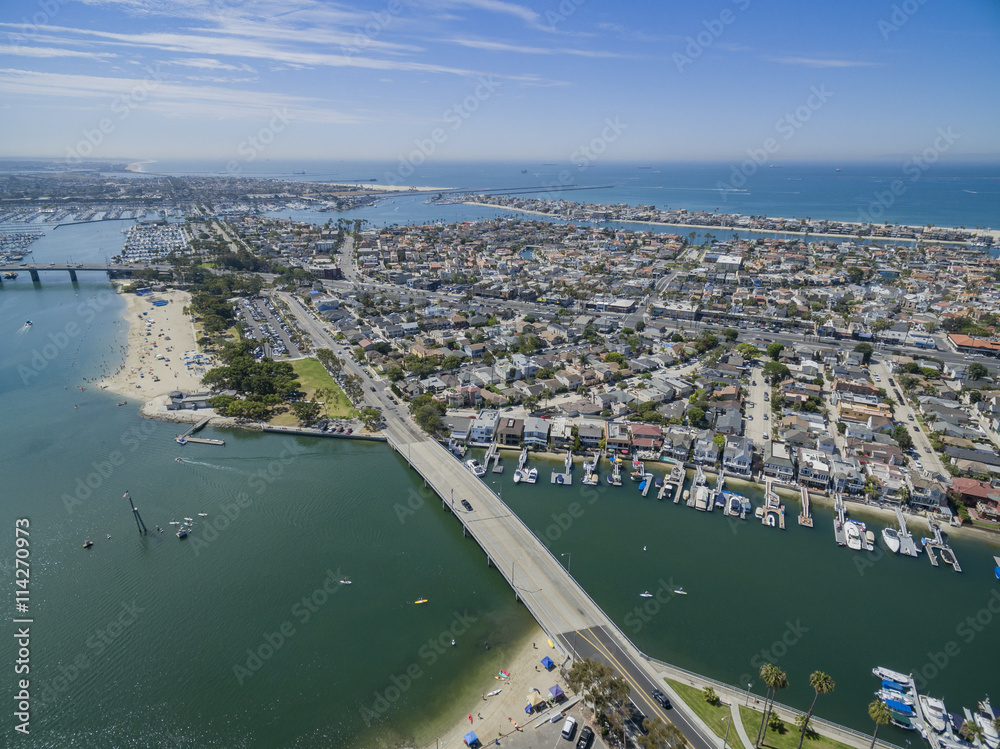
(312, 377)
(711, 714)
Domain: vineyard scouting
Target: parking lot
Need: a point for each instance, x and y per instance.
(265, 328)
(545, 735)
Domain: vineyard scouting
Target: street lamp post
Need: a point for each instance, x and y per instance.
(729, 722)
(569, 561)
(749, 684)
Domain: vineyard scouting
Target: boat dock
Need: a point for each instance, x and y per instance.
(493, 454)
(648, 483)
(838, 522)
(185, 438)
(566, 477)
(906, 543)
(720, 485)
(938, 544)
(774, 511)
(522, 460)
(805, 519)
(698, 483)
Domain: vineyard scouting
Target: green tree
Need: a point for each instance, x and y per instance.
(866, 350)
(774, 349)
(748, 350)
(660, 735)
(709, 695)
(775, 372)
(731, 334)
(720, 440)
(977, 371)
(775, 679)
(306, 412)
(370, 417)
(821, 684)
(395, 373)
(902, 436)
(879, 713)
(696, 416)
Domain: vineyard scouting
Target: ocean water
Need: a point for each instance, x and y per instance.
(138, 641)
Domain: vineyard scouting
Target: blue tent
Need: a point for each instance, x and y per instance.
(547, 662)
(470, 739)
(556, 692)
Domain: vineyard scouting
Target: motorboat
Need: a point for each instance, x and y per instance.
(421, 600)
(182, 532)
(517, 476)
(28, 323)
(888, 674)
(345, 581)
(770, 520)
(529, 475)
(901, 721)
(645, 594)
(899, 707)
(476, 467)
(890, 537)
(681, 592)
(853, 535)
(985, 717)
(870, 540)
(935, 713)
(87, 544)
(888, 695)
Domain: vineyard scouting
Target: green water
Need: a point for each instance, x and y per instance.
(143, 641)
(759, 594)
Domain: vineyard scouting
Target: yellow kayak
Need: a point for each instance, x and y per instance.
(421, 600)
(551, 644)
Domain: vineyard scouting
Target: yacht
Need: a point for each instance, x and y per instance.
(529, 475)
(935, 713)
(890, 537)
(475, 466)
(853, 535)
(646, 594)
(888, 695)
(890, 675)
(517, 476)
(985, 718)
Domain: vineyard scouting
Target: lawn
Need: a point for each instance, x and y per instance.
(312, 377)
(711, 714)
(787, 740)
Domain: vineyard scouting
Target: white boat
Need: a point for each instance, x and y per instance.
(517, 476)
(890, 675)
(529, 475)
(770, 520)
(345, 581)
(985, 717)
(681, 592)
(475, 466)
(934, 712)
(869, 540)
(887, 694)
(646, 594)
(890, 537)
(853, 535)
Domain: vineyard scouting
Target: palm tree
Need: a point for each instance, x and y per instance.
(775, 679)
(821, 684)
(972, 731)
(878, 712)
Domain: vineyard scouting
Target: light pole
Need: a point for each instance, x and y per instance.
(569, 561)
(729, 722)
(749, 684)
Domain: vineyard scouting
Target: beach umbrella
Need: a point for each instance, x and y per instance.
(548, 663)
(535, 699)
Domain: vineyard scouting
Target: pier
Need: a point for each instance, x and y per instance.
(566, 477)
(773, 511)
(838, 522)
(183, 439)
(906, 543)
(938, 544)
(805, 519)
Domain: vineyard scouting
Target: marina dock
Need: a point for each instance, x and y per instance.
(838, 522)
(805, 519)
(185, 438)
(493, 454)
(566, 477)
(906, 543)
(938, 544)
(773, 511)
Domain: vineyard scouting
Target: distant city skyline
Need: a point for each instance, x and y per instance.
(449, 80)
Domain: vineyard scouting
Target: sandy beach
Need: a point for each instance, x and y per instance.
(156, 349)
(490, 714)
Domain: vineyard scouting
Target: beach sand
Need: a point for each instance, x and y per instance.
(510, 703)
(170, 322)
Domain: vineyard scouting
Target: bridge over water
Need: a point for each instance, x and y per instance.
(111, 269)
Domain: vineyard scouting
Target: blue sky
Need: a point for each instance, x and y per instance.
(559, 80)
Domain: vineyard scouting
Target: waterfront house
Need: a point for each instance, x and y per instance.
(846, 476)
(647, 436)
(510, 431)
(814, 468)
(926, 493)
(484, 426)
(458, 427)
(561, 433)
(738, 456)
(617, 436)
(536, 432)
(590, 432)
(678, 441)
(778, 461)
(705, 449)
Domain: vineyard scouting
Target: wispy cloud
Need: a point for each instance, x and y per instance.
(18, 50)
(169, 98)
(816, 62)
(208, 63)
(505, 47)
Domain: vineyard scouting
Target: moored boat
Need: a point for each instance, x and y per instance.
(476, 467)
(934, 712)
(853, 535)
(887, 673)
(887, 696)
(890, 537)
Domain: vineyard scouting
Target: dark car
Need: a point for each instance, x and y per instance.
(372, 389)
(586, 736)
(662, 699)
(466, 505)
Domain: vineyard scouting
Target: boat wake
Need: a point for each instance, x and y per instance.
(207, 465)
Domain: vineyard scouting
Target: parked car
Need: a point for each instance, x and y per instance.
(569, 728)
(586, 736)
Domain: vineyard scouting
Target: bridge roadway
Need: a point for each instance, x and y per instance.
(558, 603)
(33, 269)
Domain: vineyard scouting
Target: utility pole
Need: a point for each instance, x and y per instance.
(135, 512)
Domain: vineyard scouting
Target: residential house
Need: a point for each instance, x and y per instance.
(778, 461)
(484, 426)
(536, 432)
(616, 436)
(590, 433)
(814, 468)
(705, 449)
(510, 431)
(738, 456)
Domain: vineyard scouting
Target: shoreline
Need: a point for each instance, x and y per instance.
(708, 227)
(157, 349)
(494, 711)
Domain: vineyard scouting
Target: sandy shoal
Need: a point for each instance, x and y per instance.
(490, 715)
(170, 322)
